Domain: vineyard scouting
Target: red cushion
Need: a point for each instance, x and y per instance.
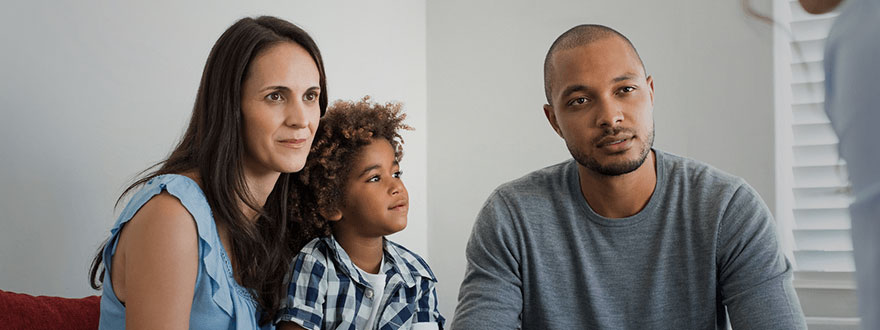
(22, 311)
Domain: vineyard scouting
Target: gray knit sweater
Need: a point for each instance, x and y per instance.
(540, 258)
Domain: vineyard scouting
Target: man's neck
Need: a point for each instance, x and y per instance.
(619, 196)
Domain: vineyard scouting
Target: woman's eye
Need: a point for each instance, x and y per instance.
(275, 97)
(397, 174)
(311, 96)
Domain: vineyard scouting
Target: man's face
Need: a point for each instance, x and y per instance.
(602, 106)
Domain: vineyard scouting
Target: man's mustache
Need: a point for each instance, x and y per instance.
(614, 132)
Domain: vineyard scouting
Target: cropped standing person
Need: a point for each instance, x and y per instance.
(852, 102)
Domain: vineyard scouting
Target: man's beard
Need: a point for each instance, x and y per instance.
(618, 168)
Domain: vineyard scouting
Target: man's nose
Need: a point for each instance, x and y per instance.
(609, 114)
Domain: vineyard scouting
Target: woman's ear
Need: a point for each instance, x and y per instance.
(332, 215)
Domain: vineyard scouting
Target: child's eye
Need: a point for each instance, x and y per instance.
(397, 174)
(374, 178)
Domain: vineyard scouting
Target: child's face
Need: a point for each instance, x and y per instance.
(376, 201)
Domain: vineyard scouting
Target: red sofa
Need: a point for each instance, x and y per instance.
(23, 311)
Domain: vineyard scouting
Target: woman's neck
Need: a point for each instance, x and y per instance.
(259, 186)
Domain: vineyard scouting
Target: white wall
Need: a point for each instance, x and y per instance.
(92, 92)
(713, 82)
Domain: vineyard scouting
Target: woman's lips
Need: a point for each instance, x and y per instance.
(293, 143)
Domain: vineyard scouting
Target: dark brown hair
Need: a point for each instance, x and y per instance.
(347, 128)
(213, 147)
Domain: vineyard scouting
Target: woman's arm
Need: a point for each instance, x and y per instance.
(157, 272)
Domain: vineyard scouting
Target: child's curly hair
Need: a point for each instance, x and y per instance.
(343, 132)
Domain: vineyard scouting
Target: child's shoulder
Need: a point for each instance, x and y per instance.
(413, 262)
(317, 251)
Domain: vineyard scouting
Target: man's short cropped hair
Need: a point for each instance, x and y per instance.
(579, 36)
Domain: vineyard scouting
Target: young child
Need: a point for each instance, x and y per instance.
(350, 196)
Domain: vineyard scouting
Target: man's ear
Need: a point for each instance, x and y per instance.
(551, 117)
(332, 215)
(650, 81)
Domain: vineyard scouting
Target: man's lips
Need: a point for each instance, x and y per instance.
(613, 140)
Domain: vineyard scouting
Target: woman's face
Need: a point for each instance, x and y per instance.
(280, 109)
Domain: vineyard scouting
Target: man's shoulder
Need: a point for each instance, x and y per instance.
(532, 194)
(695, 173)
(547, 178)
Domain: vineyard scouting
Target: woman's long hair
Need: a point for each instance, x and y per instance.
(213, 146)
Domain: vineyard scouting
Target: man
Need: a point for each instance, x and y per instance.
(623, 236)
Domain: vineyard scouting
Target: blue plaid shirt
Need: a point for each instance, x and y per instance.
(327, 291)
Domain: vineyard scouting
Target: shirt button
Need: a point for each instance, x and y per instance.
(369, 293)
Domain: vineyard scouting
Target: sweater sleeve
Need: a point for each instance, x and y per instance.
(755, 278)
(491, 294)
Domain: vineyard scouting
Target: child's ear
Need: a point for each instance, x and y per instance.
(332, 215)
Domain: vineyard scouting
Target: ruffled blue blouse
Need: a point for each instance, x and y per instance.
(219, 302)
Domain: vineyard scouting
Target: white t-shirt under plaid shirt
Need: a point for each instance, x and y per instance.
(327, 291)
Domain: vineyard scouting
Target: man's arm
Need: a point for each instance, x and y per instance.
(754, 276)
(491, 293)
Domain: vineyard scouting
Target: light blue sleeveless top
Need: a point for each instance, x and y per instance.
(219, 302)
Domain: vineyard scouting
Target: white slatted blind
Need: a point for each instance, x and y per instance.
(818, 184)
(820, 187)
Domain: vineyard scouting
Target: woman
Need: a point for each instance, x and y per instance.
(205, 241)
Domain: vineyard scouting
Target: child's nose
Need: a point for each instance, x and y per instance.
(396, 188)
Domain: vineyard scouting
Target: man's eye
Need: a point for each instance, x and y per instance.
(578, 101)
(275, 97)
(628, 89)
